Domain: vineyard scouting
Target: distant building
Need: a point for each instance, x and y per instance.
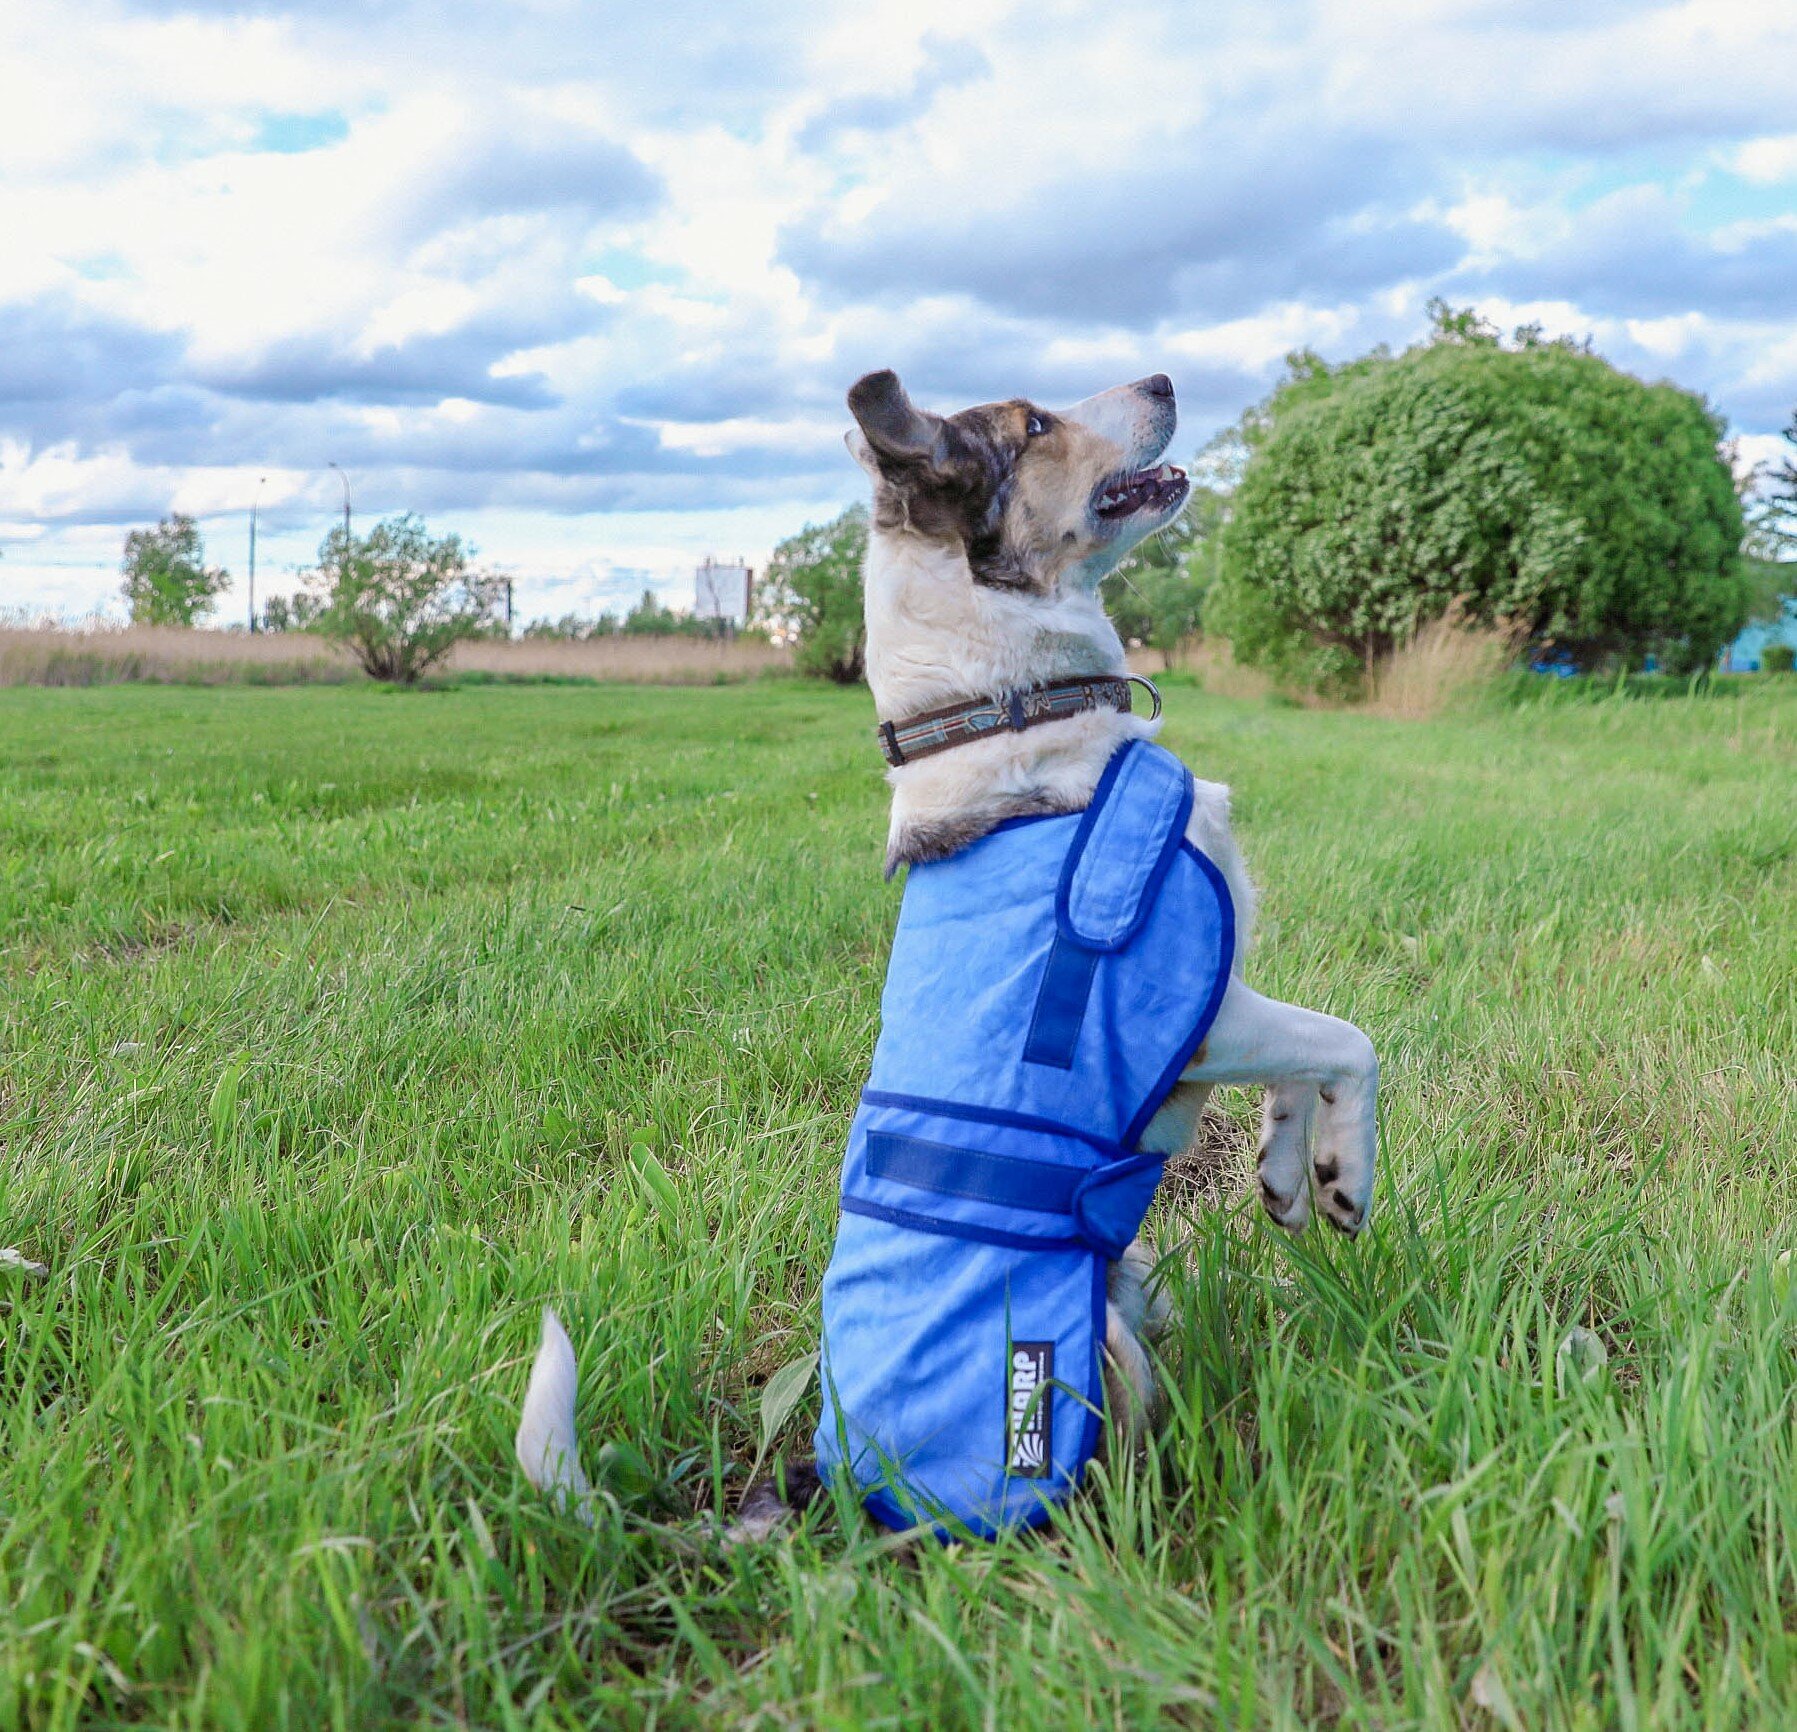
(723, 591)
(1743, 655)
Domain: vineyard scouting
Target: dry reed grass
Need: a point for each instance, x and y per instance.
(97, 652)
(1210, 660)
(661, 661)
(1448, 663)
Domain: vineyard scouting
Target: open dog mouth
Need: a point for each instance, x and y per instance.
(1158, 489)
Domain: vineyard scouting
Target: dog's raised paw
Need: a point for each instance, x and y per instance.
(1345, 1212)
(1292, 1212)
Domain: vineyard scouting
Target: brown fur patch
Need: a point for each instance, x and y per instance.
(1016, 502)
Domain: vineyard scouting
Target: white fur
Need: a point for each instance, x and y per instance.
(548, 1450)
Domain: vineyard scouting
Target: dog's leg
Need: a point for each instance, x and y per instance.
(1259, 1040)
(1131, 1395)
(1134, 1313)
(1136, 1301)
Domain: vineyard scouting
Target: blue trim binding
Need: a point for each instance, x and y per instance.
(1061, 1004)
(1027, 818)
(1040, 1186)
(886, 1509)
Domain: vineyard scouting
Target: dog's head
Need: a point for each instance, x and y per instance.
(1042, 502)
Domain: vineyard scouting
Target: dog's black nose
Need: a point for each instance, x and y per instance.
(1156, 385)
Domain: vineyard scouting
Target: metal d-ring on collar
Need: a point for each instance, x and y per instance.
(1151, 689)
(935, 731)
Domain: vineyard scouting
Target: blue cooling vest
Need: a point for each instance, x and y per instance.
(1047, 986)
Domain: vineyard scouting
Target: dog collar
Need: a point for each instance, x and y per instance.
(935, 731)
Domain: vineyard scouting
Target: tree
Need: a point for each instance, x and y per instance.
(1531, 486)
(811, 593)
(297, 612)
(1771, 587)
(1770, 549)
(652, 618)
(167, 580)
(1156, 596)
(400, 600)
(573, 628)
(1772, 515)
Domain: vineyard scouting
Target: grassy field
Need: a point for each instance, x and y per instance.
(342, 1029)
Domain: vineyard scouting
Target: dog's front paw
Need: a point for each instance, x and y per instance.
(1290, 1210)
(1344, 1186)
(1284, 1139)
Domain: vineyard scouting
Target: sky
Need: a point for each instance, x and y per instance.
(585, 281)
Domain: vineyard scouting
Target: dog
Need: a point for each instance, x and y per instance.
(996, 675)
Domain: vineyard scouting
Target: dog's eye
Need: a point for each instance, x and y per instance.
(1036, 426)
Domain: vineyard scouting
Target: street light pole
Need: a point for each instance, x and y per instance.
(345, 480)
(257, 500)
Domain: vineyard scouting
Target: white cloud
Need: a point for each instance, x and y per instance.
(593, 277)
(1767, 161)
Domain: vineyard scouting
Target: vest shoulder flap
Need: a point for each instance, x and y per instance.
(1124, 847)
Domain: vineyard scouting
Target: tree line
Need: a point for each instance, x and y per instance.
(1522, 483)
(398, 598)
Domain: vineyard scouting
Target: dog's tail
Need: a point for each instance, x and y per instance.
(550, 1455)
(547, 1450)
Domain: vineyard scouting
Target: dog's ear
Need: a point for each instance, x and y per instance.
(862, 452)
(899, 435)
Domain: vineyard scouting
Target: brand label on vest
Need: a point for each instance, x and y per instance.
(1029, 1406)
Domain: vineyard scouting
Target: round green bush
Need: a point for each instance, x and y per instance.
(1534, 486)
(1777, 658)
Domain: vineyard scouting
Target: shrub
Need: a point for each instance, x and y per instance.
(399, 600)
(298, 612)
(1777, 658)
(1536, 488)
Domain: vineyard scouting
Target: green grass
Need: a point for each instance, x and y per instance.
(331, 1019)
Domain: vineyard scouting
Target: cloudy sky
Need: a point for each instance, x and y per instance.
(586, 281)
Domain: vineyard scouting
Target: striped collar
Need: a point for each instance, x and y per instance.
(922, 736)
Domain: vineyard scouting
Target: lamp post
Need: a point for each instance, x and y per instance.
(345, 480)
(254, 502)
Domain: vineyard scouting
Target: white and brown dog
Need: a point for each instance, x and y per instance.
(991, 531)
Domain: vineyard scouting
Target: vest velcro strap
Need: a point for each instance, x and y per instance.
(1111, 1201)
(1124, 847)
(1106, 1203)
(1039, 1186)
